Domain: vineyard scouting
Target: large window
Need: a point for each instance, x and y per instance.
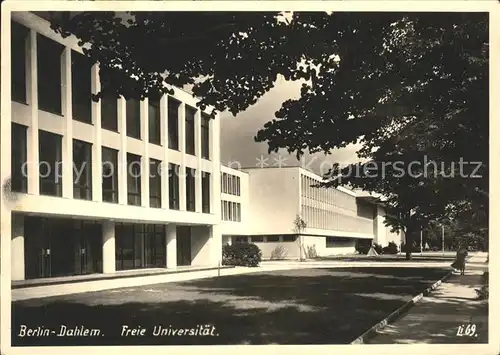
(205, 136)
(134, 179)
(289, 238)
(154, 118)
(173, 123)
(190, 119)
(19, 179)
(205, 192)
(82, 170)
(238, 212)
(81, 85)
(109, 113)
(19, 35)
(109, 175)
(231, 211)
(224, 183)
(49, 74)
(139, 246)
(190, 190)
(257, 239)
(155, 183)
(50, 162)
(238, 186)
(272, 238)
(173, 186)
(134, 118)
(154, 246)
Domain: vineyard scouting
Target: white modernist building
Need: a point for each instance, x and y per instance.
(334, 218)
(101, 187)
(116, 185)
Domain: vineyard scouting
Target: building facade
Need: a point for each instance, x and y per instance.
(334, 219)
(102, 186)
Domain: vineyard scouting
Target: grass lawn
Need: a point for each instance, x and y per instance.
(303, 306)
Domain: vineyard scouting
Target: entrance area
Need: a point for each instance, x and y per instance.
(139, 246)
(61, 247)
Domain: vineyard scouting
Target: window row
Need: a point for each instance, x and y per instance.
(50, 173)
(322, 219)
(289, 238)
(329, 196)
(231, 211)
(50, 81)
(230, 184)
(335, 242)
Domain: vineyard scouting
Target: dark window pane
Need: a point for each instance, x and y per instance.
(49, 74)
(19, 35)
(81, 84)
(289, 238)
(82, 170)
(109, 175)
(134, 179)
(205, 192)
(190, 190)
(173, 186)
(109, 113)
(19, 173)
(173, 123)
(155, 183)
(154, 121)
(273, 238)
(257, 239)
(205, 136)
(49, 145)
(190, 120)
(134, 118)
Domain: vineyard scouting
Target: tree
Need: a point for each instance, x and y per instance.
(407, 86)
(409, 89)
(298, 227)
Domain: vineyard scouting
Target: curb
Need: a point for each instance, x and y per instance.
(404, 308)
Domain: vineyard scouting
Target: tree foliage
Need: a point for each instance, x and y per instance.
(410, 87)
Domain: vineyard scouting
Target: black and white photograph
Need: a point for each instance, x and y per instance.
(203, 173)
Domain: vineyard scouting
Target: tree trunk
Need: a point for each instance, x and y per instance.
(408, 242)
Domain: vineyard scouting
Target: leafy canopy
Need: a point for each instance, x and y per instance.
(407, 86)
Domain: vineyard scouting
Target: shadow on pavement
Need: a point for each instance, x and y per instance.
(302, 306)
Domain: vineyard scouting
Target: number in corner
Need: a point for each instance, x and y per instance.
(466, 330)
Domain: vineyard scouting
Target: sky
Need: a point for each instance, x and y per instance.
(239, 150)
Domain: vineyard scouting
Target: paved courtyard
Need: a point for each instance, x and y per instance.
(298, 306)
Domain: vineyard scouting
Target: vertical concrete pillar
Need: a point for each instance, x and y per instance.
(197, 151)
(145, 155)
(122, 154)
(215, 245)
(108, 247)
(97, 146)
(171, 245)
(182, 148)
(164, 142)
(214, 151)
(67, 139)
(32, 133)
(17, 247)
